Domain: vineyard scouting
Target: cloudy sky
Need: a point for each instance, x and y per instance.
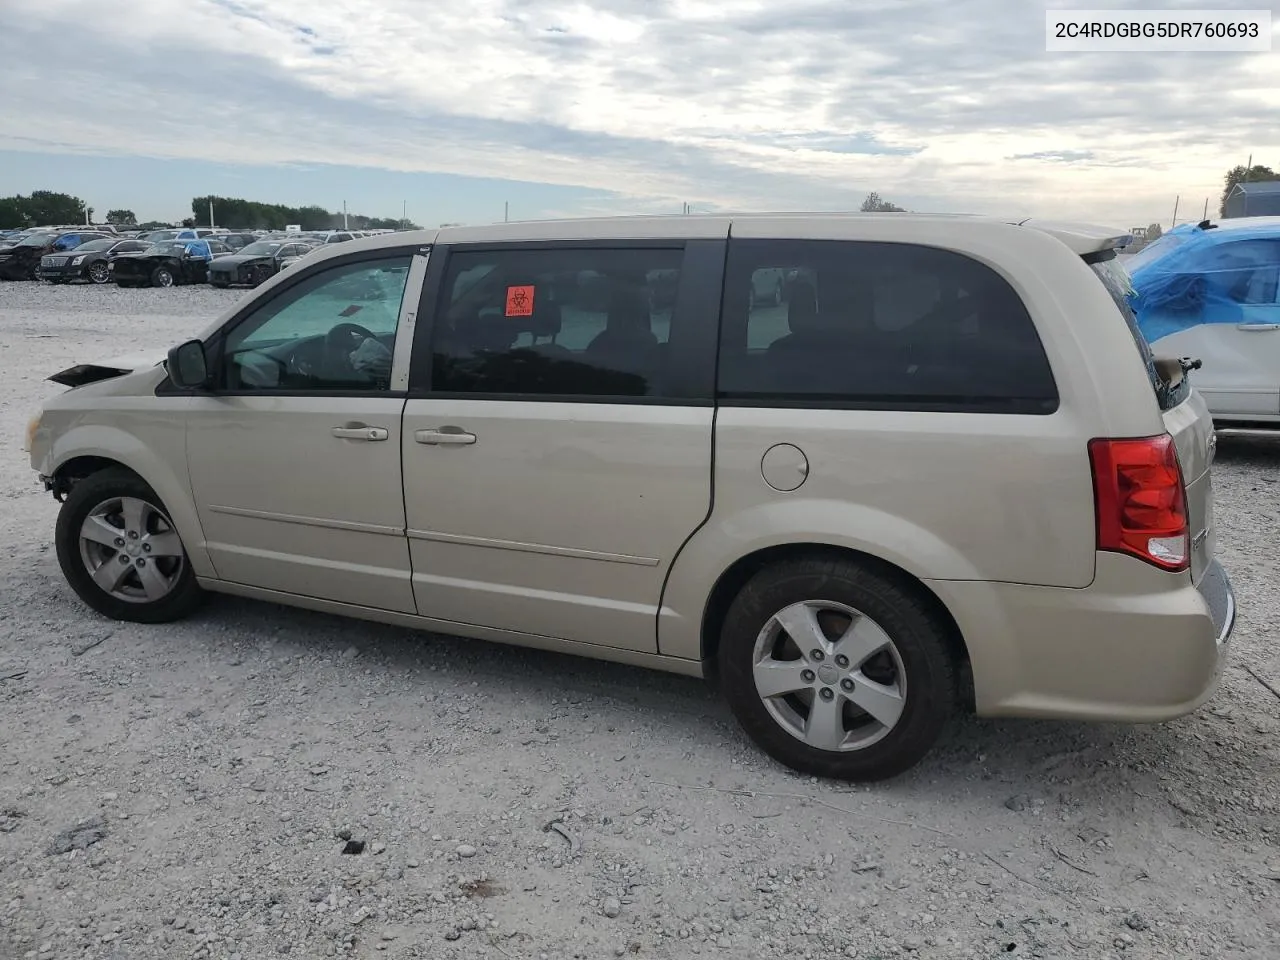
(454, 107)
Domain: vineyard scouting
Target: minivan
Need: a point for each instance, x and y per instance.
(935, 468)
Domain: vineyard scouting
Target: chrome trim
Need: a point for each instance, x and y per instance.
(542, 548)
(405, 326)
(352, 525)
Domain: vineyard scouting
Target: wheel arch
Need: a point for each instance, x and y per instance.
(82, 456)
(736, 575)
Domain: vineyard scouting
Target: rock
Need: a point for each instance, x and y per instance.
(80, 837)
(379, 848)
(469, 924)
(740, 911)
(343, 834)
(452, 934)
(286, 817)
(353, 847)
(1016, 804)
(350, 653)
(1136, 921)
(612, 907)
(465, 850)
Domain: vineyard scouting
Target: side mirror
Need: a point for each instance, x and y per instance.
(187, 367)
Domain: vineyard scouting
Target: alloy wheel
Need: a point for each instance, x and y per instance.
(829, 675)
(131, 550)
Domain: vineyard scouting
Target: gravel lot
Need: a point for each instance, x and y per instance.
(202, 778)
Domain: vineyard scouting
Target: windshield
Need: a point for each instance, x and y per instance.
(37, 240)
(162, 235)
(168, 248)
(1153, 251)
(93, 246)
(260, 249)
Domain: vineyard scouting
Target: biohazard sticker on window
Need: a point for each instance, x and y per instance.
(519, 301)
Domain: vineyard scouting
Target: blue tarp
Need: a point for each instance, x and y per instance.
(1192, 276)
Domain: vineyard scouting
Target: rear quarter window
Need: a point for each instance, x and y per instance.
(877, 325)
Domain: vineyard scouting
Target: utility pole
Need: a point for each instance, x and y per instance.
(344, 214)
(211, 212)
(1175, 211)
(1206, 209)
(506, 211)
(404, 214)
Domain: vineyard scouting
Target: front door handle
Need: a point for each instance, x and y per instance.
(360, 431)
(455, 435)
(1257, 327)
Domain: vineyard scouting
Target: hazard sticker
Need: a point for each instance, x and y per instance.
(519, 301)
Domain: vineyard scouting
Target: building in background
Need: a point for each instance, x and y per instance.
(1259, 198)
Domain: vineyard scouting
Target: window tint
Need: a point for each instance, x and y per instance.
(579, 322)
(333, 331)
(877, 324)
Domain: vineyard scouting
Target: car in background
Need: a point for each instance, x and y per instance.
(22, 262)
(89, 261)
(256, 263)
(237, 240)
(1211, 292)
(167, 263)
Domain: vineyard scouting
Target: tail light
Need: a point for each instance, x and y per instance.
(1140, 500)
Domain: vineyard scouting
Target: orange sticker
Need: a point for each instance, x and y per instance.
(519, 301)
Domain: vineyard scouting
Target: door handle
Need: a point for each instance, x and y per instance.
(360, 432)
(1257, 327)
(454, 435)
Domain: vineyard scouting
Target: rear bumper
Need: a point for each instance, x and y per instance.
(1138, 645)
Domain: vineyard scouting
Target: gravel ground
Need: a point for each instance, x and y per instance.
(188, 790)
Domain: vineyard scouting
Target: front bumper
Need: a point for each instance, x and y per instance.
(1137, 645)
(63, 271)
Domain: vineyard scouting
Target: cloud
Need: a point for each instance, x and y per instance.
(731, 104)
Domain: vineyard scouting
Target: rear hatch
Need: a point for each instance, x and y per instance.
(1186, 417)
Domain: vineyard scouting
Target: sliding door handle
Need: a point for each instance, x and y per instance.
(451, 435)
(1257, 327)
(360, 431)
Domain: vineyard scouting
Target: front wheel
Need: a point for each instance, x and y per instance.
(836, 669)
(162, 277)
(121, 553)
(98, 272)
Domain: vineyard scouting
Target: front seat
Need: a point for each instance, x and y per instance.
(627, 342)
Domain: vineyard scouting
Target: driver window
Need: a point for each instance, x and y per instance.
(335, 330)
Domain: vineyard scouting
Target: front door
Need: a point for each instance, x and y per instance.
(295, 457)
(557, 440)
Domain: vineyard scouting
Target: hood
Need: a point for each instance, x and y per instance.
(92, 372)
(239, 259)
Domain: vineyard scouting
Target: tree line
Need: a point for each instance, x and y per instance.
(43, 208)
(253, 215)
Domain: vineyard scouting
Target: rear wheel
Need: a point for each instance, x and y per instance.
(121, 553)
(162, 277)
(836, 669)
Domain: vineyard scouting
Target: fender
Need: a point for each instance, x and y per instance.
(725, 539)
(150, 459)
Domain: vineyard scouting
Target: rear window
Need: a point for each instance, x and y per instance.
(1115, 277)
(877, 326)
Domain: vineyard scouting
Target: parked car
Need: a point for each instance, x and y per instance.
(22, 261)
(950, 472)
(89, 261)
(236, 241)
(255, 263)
(1211, 291)
(166, 264)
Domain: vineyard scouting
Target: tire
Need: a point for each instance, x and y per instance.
(98, 272)
(163, 277)
(220, 284)
(156, 586)
(909, 678)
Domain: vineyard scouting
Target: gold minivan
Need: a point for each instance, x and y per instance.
(933, 466)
